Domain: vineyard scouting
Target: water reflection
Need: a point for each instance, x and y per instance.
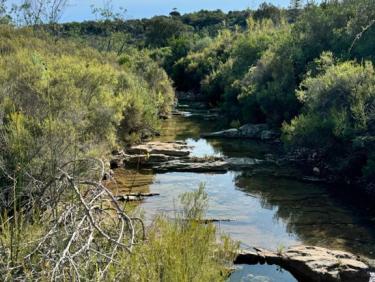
(266, 212)
(131, 181)
(312, 213)
(260, 273)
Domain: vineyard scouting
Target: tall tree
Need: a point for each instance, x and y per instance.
(295, 9)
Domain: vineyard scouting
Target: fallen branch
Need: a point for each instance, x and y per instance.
(359, 35)
(80, 216)
(135, 197)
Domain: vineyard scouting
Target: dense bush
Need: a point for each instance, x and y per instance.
(338, 114)
(189, 71)
(269, 85)
(253, 75)
(60, 101)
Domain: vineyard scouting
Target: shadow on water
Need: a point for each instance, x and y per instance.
(265, 211)
(313, 213)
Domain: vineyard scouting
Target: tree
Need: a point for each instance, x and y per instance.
(175, 13)
(108, 12)
(338, 115)
(4, 17)
(36, 12)
(295, 9)
(268, 11)
(161, 29)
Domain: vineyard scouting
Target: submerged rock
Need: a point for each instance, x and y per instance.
(309, 263)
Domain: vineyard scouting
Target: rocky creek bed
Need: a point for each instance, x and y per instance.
(306, 263)
(175, 157)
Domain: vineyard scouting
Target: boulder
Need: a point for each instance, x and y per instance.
(309, 263)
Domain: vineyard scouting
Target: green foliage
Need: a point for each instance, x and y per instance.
(224, 86)
(338, 104)
(160, 30)
(268, 11)
(189, 71)
(194, 204)
(271, 82)
(180, 250)
(4, 16)
(61, 101)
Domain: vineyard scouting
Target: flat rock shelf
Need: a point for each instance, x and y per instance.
(174, 156)
(313, 264)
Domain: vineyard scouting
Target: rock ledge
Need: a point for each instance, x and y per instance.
(174, 156)
(250, 131)
(314, 264)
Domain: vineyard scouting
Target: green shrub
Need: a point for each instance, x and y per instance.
(180, 250)
(338, 108)
(60, 101)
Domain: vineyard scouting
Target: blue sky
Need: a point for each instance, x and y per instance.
(80, 10)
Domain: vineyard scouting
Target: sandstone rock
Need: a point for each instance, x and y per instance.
(142, 160)
(215, 164)
(309, 263)
(251, 131)
(173, 156)
(162, 148)
(173, 162)
(193, 166)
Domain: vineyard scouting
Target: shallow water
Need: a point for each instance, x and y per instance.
(263, 211)
(260, 273)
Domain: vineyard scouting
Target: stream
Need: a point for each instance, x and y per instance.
(268, 212)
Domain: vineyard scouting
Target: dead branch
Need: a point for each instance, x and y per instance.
(359, 35)
(81, 216)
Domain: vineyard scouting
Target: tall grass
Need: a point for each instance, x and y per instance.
(181, 249)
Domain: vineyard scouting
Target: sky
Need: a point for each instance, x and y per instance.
(79, 10)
